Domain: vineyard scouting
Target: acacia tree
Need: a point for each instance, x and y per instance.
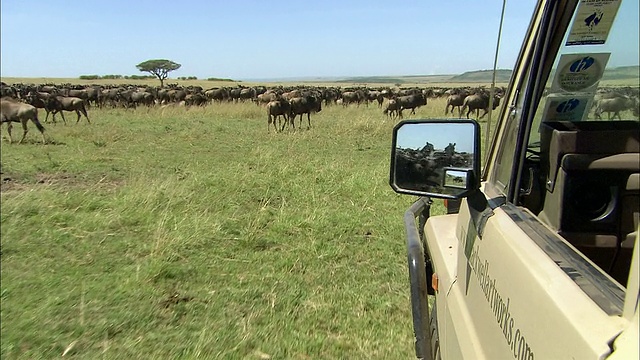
(158, 67)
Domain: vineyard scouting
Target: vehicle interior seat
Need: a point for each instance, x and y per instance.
(591, 188)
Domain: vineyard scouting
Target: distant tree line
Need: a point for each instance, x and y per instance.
(219, 79)
(116, 77)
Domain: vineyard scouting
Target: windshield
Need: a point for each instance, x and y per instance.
(595, 74)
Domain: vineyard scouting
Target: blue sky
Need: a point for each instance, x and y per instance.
(261, 39)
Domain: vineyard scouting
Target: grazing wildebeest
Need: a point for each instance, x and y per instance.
(350, 97)
(479, 101)
(196, 99)
(275, 109)
(15, 111)
(304, 105)
(110, 96)
(247, 94)
(455, 100)
(411, 102)
(330, 96)
(64, 103)
(392, 109)
(142, 98)
(79, 93)
(375, 95)
(614, 105)
(217, 94)
(266, 98)
(39, 100)
(7, 90)
(93, 95)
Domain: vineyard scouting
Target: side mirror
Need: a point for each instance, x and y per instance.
(436, 158)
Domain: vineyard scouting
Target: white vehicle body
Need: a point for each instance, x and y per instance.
(542, 259)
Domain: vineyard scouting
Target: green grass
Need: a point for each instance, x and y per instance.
(195, 233)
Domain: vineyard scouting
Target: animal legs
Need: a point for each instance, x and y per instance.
(61, 114)
(24, 132)
(9, 126)
(84, 112)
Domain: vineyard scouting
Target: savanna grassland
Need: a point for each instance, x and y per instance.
(195, 233)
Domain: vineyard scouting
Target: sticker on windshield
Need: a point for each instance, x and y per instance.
(579, 72)
(593, 22)
(567, 107)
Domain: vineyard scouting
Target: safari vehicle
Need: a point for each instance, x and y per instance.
(542, 259)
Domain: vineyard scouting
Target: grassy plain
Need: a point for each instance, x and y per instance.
(195, 233)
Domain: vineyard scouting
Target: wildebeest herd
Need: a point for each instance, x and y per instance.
(283, 104)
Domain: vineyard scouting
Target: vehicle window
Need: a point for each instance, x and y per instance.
(580, 165)
(596, 65)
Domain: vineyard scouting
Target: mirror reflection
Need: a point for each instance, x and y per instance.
(435, 157)
(455, 178)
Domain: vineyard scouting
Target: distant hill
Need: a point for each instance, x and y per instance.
(485, 76)
(622, 73)
(480, 76)
(374, 79)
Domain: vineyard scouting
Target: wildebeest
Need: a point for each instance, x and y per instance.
(198, 99)
(247, 94)
(392, 109)
(266, 98)
(39, 100)
(455, 100)
(375, 95)
(350, 97)
(58, 104)
(479, 101)
(275, 109)
(217, 94)
(614, 105)
(7, 90)
(141, 98)
(14, 111)
(411, 102)
(304, 105)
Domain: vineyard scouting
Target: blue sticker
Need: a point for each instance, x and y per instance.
(573, 107)
(579, 72)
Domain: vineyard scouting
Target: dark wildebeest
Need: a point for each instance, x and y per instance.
(198, 99)
(375, 95)
(217, 94)
(614, 105)
(93, 95)
(141, 98)
(455, 100)
(479, 101)
(64, 103)
(247, 94)
(330, 96)
(7, 90)
(177, 95)
(275, 109)
(411, 102)
(14, 111)
(110, 96)
(39, 100)
(304, 105)
(392, 109)
(350, 97)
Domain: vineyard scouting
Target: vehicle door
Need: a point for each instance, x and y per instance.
(522, 289)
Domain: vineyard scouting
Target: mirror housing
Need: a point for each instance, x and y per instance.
(438, 158)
